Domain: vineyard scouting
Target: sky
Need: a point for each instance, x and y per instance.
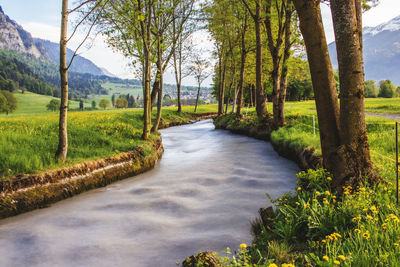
(42, 19)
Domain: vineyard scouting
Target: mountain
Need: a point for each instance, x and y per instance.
(80, 64)
(381, 51)
(14, 37)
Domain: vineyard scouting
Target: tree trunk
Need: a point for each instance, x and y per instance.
(160, 89)
(322, 79)
(260, 96)
(197, 98)
(353, 134)
(243, 55)
(286, 56)
(62, 149)
(229, 98)
(146, 31)
(179, 98)
(221, 92)
(155, 89)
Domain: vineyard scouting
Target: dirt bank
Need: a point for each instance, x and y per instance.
(24, 193)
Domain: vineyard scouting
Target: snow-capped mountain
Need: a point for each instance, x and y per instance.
(381, 51)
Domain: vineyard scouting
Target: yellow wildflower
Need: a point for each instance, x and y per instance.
(298, 188)
(243, 246)
(327, 193)
(366, 235)
(317, 192)
(357, 231)
(326, 258)
(272, 265)
(329, 179)
(297, 203)
(342, 257)
(336, 262)
(309, 217)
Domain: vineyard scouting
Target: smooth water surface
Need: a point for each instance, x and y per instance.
(202, 194)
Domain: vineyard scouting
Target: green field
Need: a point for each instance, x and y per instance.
(28, 142)
(30, 103)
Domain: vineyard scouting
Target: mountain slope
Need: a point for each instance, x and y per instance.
(80, 64)
(381, 51)
(14, 37)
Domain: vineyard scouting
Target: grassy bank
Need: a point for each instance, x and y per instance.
(314, 226)
(28, 143)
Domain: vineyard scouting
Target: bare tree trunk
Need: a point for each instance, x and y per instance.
(160, 90)
(286, 56)
(251, 95)
(197, 98)
(156, 88)
(221, 92)
(355, 147)
(322, 79)
(62, 149)
(239, 102)
(146, 29)
(229, 97)
(179, 98)
(260, 95)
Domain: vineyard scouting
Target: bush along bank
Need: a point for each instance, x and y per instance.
(24, 193)
(316, 226)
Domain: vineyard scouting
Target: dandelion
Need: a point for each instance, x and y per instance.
(299, 188)
(309, 218)
(326, 258)
(336, 262)
(329, 179)
(307, 205)
(366, 235)
(327, 193)
(369, 217)
(272, 265)
(357, 231)
(243, 246)
(297, 203)
(342, 257)
(317, 193)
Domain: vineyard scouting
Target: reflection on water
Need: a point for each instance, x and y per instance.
(201, 195)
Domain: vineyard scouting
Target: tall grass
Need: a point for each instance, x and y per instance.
(28, 143)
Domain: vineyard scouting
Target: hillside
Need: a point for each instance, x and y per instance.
(14, 37)
(381, 51)
(31, 103)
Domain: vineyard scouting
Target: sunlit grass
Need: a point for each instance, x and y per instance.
(28, 143)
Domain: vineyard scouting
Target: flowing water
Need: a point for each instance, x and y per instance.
(202, 194)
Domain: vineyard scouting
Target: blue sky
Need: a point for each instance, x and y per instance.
(42, 19)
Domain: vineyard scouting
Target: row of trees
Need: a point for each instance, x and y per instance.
(242, 29)
(386, 89)
(149, 32)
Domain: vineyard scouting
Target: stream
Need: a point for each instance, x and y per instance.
(202, 194)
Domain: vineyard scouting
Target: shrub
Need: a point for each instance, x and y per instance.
(10, 104)
(53, 105)
(104, 103)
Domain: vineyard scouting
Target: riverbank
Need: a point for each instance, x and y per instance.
(316, 226)
(23, 193)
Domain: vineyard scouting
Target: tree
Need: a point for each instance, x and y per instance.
(113, 100)
(3, 103)
(62, 149)
(94, 104)
(121, 103)
(343, 136)
(104, 103)
(128, 27)
(53, 105)
(386, 89)
(370, 88)
(199, 70)
(81, 104)
(260, 95)
(284, 12)
(11, 102)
